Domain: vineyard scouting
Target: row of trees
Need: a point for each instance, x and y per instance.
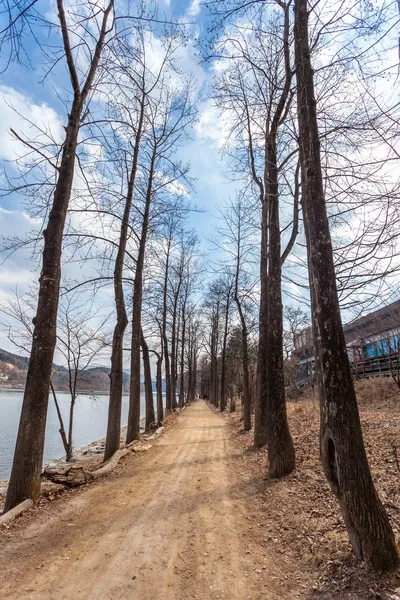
(310, 141)
(117, 199)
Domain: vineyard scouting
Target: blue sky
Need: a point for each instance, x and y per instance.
(24, 95)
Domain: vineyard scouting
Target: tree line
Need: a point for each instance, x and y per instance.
(304, 120)
(114, 193)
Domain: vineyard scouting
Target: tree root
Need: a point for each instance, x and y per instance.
(15, 512)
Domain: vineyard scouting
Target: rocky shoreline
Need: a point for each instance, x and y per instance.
(85, 454)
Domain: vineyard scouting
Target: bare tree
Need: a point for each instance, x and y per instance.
(80, 343)
(170, 112)
(81, 339)
(240, 240)
(228, 284)
(27, 464)
(258, 90)
(342, 448)
(295, 319)
(116, 375)
(192, 353)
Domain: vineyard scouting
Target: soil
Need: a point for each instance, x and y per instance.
(196, 517)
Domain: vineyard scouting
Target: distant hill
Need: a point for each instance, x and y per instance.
(20, 362)
(92, 379)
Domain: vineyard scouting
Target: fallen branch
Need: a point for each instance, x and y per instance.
(15, 512)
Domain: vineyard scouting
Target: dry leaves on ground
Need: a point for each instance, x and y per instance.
(299, 514)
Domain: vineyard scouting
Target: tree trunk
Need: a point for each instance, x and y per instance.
(71, 426)
(246, 404)
(117, 355)
(189, 384)
(281, 455)
(28, 457)
(213, 369)
(133, 429)
(216, 381)
(168, 405)
(148, 386)
(194, 379)
(60, 419)
(342, 448)
(182, 365)
(160, 408)
(223, 358)
(260, 416)
(174, 403)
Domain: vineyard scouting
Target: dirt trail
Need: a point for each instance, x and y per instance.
(174, 524)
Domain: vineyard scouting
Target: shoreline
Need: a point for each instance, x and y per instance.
(81, 393)
(82, 454)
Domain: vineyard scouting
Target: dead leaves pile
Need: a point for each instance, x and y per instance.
(299, 516)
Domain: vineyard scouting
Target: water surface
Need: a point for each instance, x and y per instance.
(90, 423)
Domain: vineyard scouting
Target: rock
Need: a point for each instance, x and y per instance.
(156, 433)
(141, 447)
(76, 458)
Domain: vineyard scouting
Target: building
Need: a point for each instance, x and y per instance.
(368, 338)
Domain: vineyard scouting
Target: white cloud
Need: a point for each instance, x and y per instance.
(194, 8)
(211, 126)
(20, 113)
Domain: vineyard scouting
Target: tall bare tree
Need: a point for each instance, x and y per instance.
(240, 240)
(170, 112)
(342, 448)
(257, 89)
(25, 476)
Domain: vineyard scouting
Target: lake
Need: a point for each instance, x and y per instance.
(90, 423)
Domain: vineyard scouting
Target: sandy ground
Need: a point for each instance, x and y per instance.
(179, 522)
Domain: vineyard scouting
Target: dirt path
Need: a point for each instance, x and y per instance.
(176, 524)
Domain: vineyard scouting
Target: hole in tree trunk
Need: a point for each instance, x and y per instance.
(332, 464)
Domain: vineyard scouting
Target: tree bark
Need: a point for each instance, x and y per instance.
(271, 384)
(260, 408)
(189, 381)
(116, 375)
(223, 357)
(60, 419)
(174, 344)
(160, 408)
(246, 404)
(27, 465)
(71, 427)
(343, 454)
(281, 455)
(182, 361)
(168, 405)
(194, 378)
(148, 386)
